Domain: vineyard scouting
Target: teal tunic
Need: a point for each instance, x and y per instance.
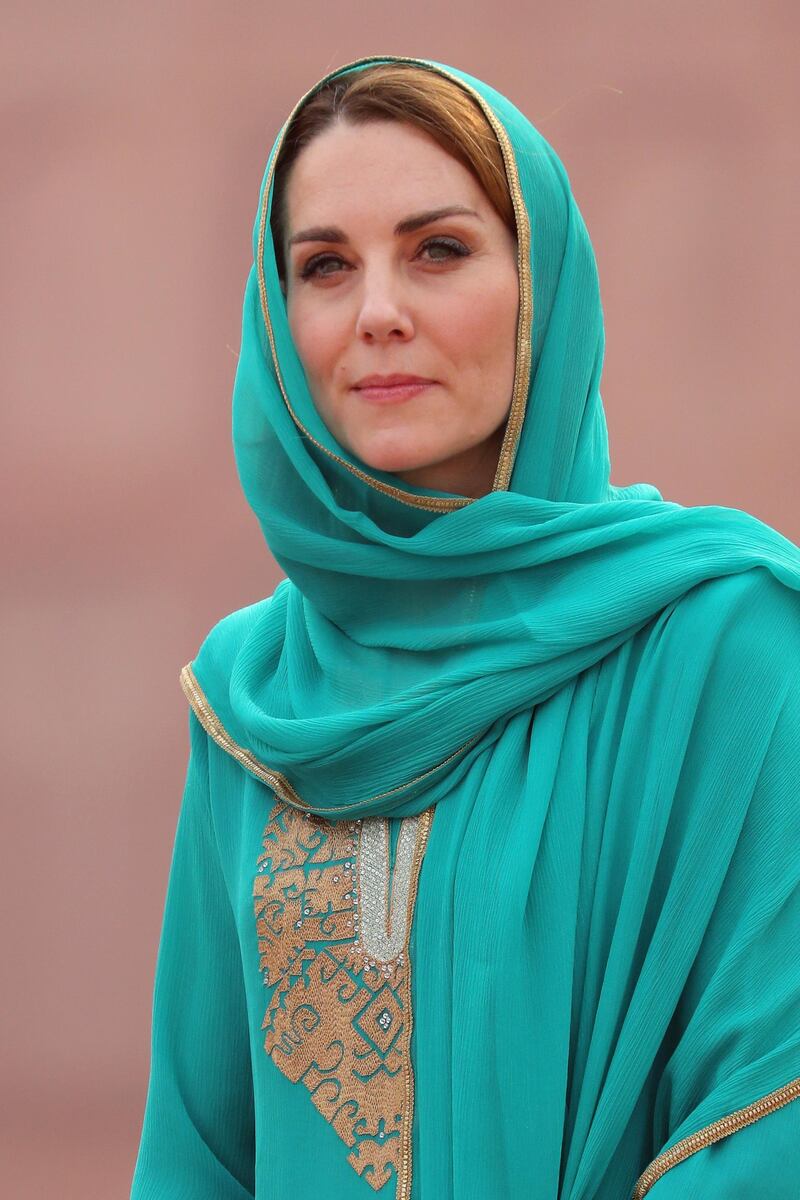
(659, 1023)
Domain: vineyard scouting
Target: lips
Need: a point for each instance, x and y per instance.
(391, 389)
(395, 394)
(387, 381)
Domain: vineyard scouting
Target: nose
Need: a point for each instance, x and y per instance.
(383, 314)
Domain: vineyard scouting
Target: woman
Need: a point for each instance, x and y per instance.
(485, 882)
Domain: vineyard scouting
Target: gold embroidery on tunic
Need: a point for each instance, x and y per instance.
(333, 940)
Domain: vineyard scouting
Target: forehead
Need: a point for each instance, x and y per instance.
(381, 168)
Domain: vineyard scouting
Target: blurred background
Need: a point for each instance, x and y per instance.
(135, 139)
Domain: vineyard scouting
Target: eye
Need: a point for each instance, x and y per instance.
(316, 263)
(452, 248)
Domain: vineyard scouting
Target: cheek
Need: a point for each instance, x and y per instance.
(482, 344)
(480, 331)
(317, 338)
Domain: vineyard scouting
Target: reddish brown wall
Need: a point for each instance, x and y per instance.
(134, 147)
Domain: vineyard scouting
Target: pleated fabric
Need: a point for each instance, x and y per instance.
(592, 694)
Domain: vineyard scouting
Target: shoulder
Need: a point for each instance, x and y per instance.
(206, 680)
(731, 667)
(746, 616)
(225, 640)
(717, 666)
(221, 645)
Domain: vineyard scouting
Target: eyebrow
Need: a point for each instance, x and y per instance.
(329, 233)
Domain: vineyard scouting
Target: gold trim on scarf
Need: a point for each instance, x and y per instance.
(274, 779)
(215, 729)
(522, 371)
(339, 1017)
(714, 1132)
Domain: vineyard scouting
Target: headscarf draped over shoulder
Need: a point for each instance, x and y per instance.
(413, 624)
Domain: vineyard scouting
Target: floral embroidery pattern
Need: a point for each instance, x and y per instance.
(333, 925)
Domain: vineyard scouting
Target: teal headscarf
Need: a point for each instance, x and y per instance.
(598, 687)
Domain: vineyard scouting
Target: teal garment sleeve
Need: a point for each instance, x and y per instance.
(737, 1060)
(760, 1160)
(198, 1136)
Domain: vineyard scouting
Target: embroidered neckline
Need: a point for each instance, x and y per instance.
(333, 943)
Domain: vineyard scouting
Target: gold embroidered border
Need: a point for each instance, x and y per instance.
(715, 1132)
(522, 370)
(404, 1189)
(215, 729)
(274, 779)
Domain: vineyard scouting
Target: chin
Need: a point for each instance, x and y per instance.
(393, 455)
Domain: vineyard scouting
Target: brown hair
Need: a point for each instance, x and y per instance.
(397, 92)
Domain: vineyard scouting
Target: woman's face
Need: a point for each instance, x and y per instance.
(378, 285)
